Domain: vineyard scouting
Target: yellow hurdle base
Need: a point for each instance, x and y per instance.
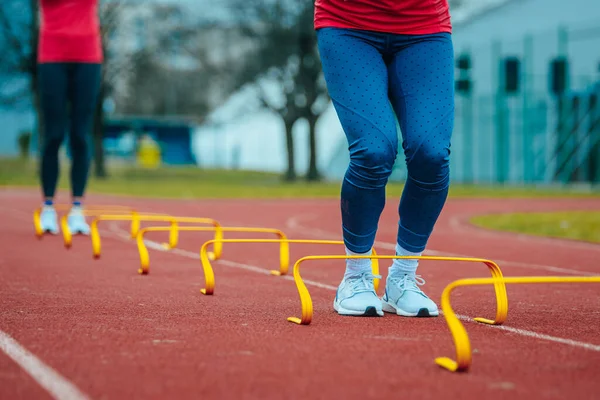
(457, 329)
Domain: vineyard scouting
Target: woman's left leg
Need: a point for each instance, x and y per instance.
(422, 94)
(53, 85)
(84, 85)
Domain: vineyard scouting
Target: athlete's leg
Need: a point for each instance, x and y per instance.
(53, 100)
(422, 93)
(83, 94)
(53, 97)
(357, 81)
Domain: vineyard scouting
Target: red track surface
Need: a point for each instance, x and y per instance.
(117, 335)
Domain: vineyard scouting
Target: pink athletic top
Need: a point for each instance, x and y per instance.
(69, 32)
(408, 17)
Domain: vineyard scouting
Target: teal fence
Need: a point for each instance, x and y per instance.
(528, 110)
(535, 140)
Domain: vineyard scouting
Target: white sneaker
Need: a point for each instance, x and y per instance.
(48, 220)
(404, 297)
(356, 296)
(77, 223)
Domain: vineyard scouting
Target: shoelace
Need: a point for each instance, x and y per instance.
(409, 282)
(77, 219)
(363, 282)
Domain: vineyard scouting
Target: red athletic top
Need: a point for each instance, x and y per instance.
(70, 31)
(409, 17)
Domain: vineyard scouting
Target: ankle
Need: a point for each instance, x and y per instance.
(404, 266)
(357, 266)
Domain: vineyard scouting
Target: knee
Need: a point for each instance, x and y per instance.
(78, 143)
(429, 164)
(52, 141)
(371, 166)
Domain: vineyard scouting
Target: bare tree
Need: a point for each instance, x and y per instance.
(286, 54)
(183, 68)
(19, 27)
(311, 84)
(110, 17)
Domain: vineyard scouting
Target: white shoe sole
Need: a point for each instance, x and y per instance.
(370, 311)
(422, 313)
(50, 230)
(79, 232)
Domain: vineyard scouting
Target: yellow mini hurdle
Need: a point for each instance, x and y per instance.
(209, 276)
(174, 221)
(145, 256)
(499, 287)
(458, 331)
(68, 237)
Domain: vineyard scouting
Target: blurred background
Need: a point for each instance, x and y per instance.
(236, 85)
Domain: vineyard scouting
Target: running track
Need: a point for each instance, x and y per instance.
(78, 328)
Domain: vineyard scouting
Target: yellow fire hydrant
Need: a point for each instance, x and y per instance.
(149, 153)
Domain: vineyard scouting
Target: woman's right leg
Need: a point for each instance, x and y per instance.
(83, 96)
(357, 81)
(53, 79)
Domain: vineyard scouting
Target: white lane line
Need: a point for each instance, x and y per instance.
(522, 332)
(59, 387)
(541, 336)
(293, 223)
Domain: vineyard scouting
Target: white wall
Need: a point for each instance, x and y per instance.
(259, 136)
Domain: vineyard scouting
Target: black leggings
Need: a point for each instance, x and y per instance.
(68, 94)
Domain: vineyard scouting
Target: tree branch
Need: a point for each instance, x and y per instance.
(16, 45)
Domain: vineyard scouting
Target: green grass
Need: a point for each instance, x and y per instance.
(578, 225)
(191, 182)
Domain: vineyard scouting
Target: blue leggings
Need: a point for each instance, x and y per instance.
(373, 78)
(68, 93)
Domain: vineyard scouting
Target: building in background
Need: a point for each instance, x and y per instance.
(519, 121)
(126, 135)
